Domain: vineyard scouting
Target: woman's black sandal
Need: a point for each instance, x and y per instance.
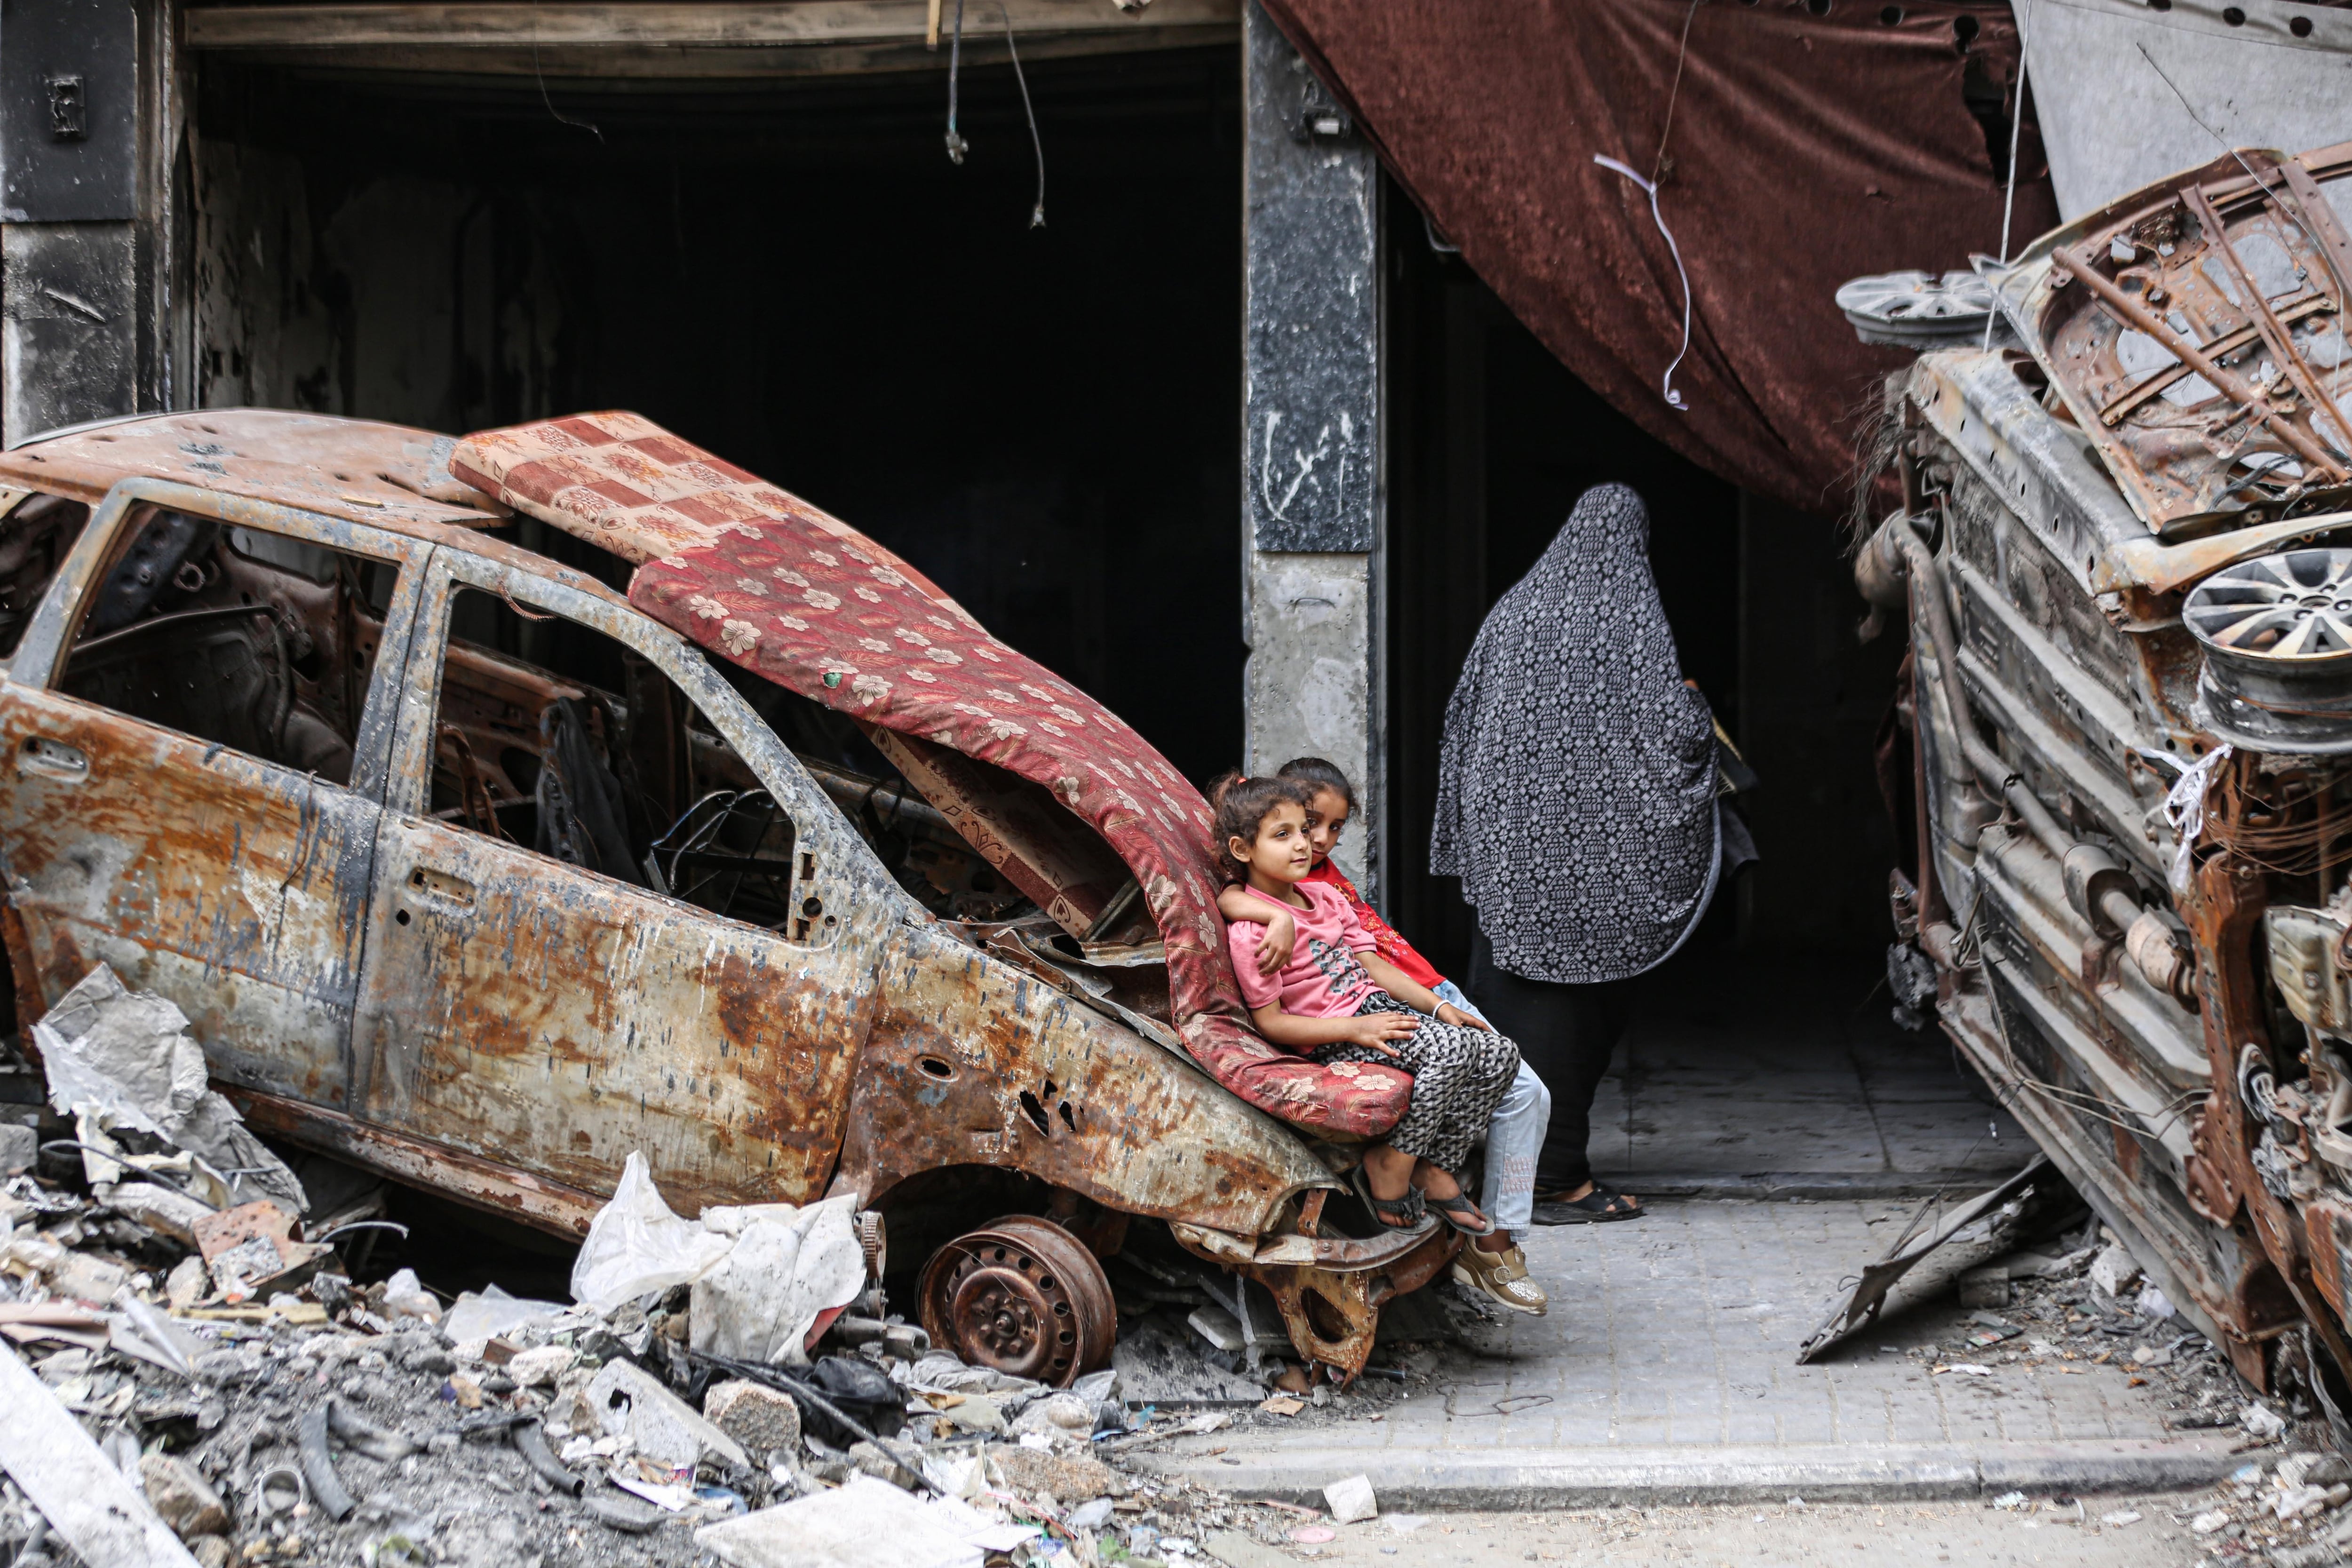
(1410, 1208)
(1599, 1206)
(1449, 1209)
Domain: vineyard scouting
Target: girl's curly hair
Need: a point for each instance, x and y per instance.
(1239, 804)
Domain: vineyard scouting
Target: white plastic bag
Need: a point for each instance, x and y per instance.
(479, 1317)
(788, 1265)
(636, 1245)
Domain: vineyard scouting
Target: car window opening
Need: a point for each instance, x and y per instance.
(256, 641)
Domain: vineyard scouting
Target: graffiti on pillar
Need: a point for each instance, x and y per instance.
(1313, 310)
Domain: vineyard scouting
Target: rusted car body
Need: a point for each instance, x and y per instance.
(2121, 547)
(257, 766)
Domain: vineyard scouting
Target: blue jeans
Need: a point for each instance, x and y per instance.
(1514, 1138)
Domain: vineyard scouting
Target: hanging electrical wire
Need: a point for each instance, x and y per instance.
(957, 145)
(2016, 123)
(1037, 213)
(559, 116)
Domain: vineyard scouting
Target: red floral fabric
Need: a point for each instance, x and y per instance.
(1387, 940)
(766, 580)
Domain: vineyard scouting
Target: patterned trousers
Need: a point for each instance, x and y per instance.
(1459, 1075)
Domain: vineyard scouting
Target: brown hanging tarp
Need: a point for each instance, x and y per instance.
(1812, 142)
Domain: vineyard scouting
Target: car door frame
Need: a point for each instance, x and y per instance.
(846, 894)
(245, 1023)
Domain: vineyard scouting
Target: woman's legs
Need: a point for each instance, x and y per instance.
(1566, 1034)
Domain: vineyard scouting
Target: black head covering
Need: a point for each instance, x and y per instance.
(1576, 789)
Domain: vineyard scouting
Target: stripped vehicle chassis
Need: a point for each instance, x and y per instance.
(2172, 1028)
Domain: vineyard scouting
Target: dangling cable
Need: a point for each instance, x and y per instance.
(957, 145)
(560, 117)
(1037, 213)
(1682, 53)
(2016, 124)
(1666, 383)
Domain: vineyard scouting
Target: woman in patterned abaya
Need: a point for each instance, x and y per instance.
(1576, 803)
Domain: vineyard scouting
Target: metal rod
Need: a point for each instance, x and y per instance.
(2232, 385)
(2259, 313)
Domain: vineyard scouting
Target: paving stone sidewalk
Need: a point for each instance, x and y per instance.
(1666, 1369)
(1747, 1077)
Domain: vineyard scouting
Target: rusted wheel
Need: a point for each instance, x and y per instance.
(1023, 1296)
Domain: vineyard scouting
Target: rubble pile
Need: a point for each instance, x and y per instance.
(2082, 1298)
(730, 1387)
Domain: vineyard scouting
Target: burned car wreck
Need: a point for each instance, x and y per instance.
(471, 870)
(2124, 548)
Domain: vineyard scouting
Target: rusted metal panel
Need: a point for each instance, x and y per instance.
(495, 1186)
(974, 1062)
(234, 886)
(510, 1002)
(357, 470)
(2195, 331)
(1020, 830)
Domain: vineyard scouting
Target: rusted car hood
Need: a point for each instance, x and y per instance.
(358, 469)
(777, 586)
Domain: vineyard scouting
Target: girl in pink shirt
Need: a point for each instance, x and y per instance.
(1337, 1000)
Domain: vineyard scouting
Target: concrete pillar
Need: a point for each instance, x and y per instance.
(86, 122)
(1312, 466)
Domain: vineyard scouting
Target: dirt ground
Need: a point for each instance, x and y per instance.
(1896, 1534)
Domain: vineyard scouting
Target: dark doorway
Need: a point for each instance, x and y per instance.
(1492, 441)
(793, 275)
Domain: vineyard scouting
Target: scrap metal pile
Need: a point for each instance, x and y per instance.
(2123, 545)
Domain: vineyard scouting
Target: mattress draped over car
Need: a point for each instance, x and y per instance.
(769, 583)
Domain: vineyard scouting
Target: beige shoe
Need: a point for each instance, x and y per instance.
(1502, 1277)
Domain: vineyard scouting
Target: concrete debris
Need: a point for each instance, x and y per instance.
(541, 1365)
(81, 1492)
(182, 1496)
(762, 1420)
(631, 1403)
(2113, 1270)
(1351, 1500)
(861, 1524)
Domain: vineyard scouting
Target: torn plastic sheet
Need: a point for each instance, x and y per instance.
(761, 1274)
(494, 1312)
(122, 1061)
(1860, 1309)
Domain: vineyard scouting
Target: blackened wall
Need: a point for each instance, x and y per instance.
(796, 276)
(1492, 442)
